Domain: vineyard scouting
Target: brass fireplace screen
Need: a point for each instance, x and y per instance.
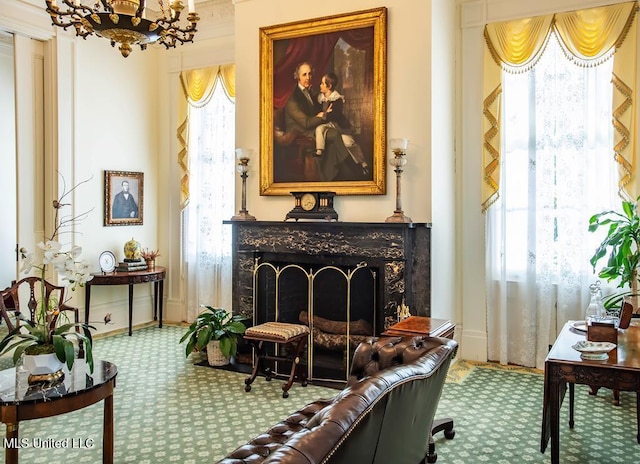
(338, 303)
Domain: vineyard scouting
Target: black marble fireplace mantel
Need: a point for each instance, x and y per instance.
(400, 252)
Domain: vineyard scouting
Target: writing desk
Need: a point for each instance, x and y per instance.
(130, 278)
(564, 366)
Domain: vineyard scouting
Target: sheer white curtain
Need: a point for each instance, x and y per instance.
(557, 171)
(207, 241)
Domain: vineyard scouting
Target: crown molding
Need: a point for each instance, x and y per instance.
(26, 17)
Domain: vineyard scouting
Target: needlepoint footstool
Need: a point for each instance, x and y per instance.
(293, 338)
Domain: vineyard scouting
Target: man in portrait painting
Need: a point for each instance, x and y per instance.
(302, 115)
(124, 205)
(349, 55)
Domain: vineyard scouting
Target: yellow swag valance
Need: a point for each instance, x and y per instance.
(588, 37)
(197, 87)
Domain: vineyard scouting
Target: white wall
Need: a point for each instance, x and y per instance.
(442, 43)
(115, 127)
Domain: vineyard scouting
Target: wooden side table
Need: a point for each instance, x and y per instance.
(419, 325)
(156, 276)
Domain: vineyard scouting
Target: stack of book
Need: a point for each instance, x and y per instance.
(132, 265)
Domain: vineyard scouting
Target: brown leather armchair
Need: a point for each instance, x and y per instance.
(383, 416)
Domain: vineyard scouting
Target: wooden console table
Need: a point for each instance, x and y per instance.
(156, 275)
(78, 390)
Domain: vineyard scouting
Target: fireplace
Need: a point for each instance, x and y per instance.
(346, 280)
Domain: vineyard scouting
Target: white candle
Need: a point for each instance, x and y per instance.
(192, 6)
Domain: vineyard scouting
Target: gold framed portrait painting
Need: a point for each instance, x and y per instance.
(322, 105)
(123, 198)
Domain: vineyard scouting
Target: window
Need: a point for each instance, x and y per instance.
(558, 166)
(557, 171)
(207, 241)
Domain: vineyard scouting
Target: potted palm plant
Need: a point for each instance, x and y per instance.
(218, 331)
(621, 247)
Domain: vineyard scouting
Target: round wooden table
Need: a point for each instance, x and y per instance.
(20, 401)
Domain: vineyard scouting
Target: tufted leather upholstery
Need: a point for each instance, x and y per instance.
(383, 416)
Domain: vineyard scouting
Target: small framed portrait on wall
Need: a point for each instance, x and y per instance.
(123, 198)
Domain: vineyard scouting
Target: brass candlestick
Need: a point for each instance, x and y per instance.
(244, 155)
(399, 149)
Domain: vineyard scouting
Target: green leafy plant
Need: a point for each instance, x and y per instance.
(214, 324)
(622, 244)
(37, 338)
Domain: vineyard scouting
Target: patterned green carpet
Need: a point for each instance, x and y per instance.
(169, 410)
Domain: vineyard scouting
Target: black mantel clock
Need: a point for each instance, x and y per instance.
(313, 205)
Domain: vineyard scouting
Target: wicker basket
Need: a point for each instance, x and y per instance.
(214, 354)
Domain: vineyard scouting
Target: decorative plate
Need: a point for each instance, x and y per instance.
(107, 261)
(594, 350)
(580, 326)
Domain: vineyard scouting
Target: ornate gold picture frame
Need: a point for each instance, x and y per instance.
(123, 198)
(332, 137)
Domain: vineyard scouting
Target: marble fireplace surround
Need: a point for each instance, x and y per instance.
(400, 252)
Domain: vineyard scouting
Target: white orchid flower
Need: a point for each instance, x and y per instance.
(27, 262)
(75, 252)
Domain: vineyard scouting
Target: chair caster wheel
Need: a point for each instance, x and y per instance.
(431, 458)
(305, 383)
(247, 388)
(449, 434)
(285, 394)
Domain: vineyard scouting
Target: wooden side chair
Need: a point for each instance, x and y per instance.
(25, 293)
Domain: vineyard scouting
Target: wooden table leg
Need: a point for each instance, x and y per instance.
(554, 412)
(638, 416)
(155, 301)
(87, 300)
(130, 307)
(161, 284)
(572, 387)
(12, 445)
(107, 433)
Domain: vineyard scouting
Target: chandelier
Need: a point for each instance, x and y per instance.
(124, 22)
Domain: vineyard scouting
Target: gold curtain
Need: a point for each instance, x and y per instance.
(588, 37)
(197, 87)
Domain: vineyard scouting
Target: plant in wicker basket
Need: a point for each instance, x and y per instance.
(214, 324)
